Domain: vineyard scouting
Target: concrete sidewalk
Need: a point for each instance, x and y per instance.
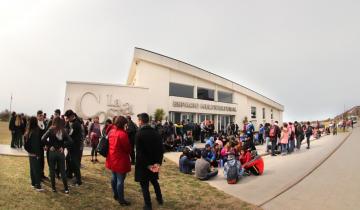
(5, 149)
(334, 185)
(280, 171)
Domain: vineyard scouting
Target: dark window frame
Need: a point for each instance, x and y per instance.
(179, 95)
(252, 112)
(223, 92)
(208, 98)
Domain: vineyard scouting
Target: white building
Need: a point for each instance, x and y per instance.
(182, 90)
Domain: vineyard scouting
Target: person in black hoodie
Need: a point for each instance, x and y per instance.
(149, 156)
(12, 129)
(32, 146)
(56, 140)
(131, 131)
(75, 131)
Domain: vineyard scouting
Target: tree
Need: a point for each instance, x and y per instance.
(5, 115)
(159, 114)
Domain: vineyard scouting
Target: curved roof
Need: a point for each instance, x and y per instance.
(181, 66)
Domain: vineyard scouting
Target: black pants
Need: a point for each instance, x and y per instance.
(42, 162)
(35, 173)
(254, 171)
(12, 139)
(75, 165)
(93, 152)
(57, 159)
(273, 146)
(308, 141)
(298, 141)
(146, 193)
(132, 152)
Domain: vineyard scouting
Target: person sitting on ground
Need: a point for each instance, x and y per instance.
(210, 155)
(252, 163)
(249, 144)
(202, 168)
(210, 141)
(186, 164)
(226, 151)
(232, 170)
(219, 142)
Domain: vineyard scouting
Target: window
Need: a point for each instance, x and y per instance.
(264, 116)
(272, 114)
(225, 97)
(180, 90)
(253, 112)
(205, 94)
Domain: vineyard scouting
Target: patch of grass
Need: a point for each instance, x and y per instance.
(180, 191)
(5, 136)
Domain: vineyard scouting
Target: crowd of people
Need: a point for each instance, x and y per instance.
(62, 139)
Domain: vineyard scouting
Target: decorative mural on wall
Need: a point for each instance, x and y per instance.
(91, 105)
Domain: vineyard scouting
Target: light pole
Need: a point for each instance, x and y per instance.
(11, 99)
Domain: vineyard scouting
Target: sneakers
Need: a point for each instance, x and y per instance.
(40, 189)
(66, 191)
(76, 184)
(160, 201)
(54, 190)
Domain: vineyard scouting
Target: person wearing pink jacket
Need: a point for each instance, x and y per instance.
(284, 139)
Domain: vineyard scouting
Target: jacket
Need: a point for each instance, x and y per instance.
(118, 158)
(149, 151)
(34, 140)
(50, 139)
(284, 139)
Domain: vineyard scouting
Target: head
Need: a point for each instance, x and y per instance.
(108, 122)
(143, 119)
(121, 122)
(96, 119)
(207, 147)
(204, 155)
(57, 113)
(128, 118)
(308, 123)
(285, 125)
(70, 115)
(40, 115)
(13, 114)
(58, 124)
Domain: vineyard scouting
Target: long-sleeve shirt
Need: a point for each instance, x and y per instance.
(56, 140)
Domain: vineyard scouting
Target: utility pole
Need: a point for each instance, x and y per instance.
(11, 100)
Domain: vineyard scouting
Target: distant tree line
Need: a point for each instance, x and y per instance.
(5, 115)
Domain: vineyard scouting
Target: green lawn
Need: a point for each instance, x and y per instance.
(5, 136)
(180, 191)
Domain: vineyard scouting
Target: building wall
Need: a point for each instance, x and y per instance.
(157, 79)
(104, 100)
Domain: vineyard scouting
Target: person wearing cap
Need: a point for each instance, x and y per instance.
(73, 126)
(203, 169)
(149, 157)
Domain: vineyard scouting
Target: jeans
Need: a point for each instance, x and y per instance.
(18, 140)
(283, 148)
(210, 175)
(291, 145)
(273, 146)
(35, 172)
(146, 192)
(117, 184)
(57, 159)
(267, 143)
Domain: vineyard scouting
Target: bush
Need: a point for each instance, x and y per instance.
(159, 114)
(5, 115)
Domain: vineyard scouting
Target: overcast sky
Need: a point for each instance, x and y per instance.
(304, 54)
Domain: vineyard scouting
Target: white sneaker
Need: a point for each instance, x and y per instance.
(40, 190)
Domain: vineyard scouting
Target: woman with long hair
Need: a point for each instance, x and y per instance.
(94, 136)
(58, 140)
(118, 158)
(32, 146)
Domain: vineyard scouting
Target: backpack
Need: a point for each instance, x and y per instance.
(103, 146)
(272, 131)
(232, 174)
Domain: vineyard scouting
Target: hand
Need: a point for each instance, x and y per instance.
(61, 150)
(52, 149)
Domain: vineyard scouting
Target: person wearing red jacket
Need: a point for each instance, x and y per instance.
(118, 159)
(252, 163)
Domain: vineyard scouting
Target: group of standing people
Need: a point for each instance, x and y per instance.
(62, 134)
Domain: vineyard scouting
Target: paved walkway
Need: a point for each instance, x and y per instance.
(6, 150)
(334, 185)
(280, 171)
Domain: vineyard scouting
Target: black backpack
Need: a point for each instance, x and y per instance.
(232, 174)
(103, 146)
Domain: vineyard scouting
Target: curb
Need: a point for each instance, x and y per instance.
(321, 162)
